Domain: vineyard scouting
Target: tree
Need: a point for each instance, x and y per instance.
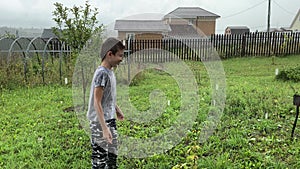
(75, 25)
(78, 27)
(8, 35)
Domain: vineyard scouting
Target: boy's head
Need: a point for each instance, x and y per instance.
(110, 44)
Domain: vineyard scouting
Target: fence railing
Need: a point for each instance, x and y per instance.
(226, 46)
(257, 44)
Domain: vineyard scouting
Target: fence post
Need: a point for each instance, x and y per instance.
(243, 45)
(128, 57)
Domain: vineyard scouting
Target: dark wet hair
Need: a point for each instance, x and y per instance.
(111, 44)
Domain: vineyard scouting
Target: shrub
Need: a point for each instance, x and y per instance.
(290, 74)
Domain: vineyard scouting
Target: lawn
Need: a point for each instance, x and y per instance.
(254, 130)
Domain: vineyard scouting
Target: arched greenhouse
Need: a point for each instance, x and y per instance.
(34, 59)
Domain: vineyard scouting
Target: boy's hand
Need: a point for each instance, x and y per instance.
(107, 135)
(120, 115)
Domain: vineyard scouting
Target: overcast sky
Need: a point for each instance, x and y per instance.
(251, 13)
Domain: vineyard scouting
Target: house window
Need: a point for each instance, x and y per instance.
(191, 21)
(131, 35)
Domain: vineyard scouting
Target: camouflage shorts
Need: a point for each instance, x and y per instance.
(104, 155)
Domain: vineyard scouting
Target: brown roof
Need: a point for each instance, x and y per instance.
(190, 12)
(238, 29)
(142, 25)
(184, 32)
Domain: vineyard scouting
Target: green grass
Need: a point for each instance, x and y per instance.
(254, 131)
(37, 133)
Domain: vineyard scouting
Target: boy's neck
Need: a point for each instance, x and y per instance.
(106, 65)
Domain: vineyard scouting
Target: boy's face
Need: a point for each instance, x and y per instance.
(116, 59)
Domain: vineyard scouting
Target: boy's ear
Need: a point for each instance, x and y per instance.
(109, 53)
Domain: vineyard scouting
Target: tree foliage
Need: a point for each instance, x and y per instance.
(75, 25)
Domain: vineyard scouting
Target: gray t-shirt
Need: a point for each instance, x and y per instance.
(105, 78)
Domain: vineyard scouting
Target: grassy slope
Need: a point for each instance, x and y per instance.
(254, 131)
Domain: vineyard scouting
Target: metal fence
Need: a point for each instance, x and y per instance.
(41, 57)
(257, 44)
(226, 46)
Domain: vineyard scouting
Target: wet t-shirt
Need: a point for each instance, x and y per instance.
(105, 78)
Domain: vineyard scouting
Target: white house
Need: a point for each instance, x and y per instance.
(295, 26)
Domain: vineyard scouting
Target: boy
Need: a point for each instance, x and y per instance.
(102, 107)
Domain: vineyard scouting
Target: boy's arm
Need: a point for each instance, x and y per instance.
(98, 94)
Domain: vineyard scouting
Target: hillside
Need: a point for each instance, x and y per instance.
(24, 32)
